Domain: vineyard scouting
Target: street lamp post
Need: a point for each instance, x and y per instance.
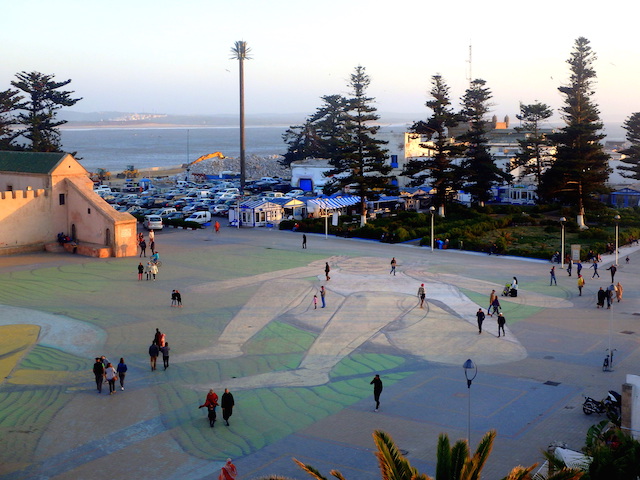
(470, 372)
(617, 220)
(562, 221)
(432, 210)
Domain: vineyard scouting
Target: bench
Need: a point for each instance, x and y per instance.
(88, 249)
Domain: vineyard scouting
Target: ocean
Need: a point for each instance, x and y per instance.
(115, 148)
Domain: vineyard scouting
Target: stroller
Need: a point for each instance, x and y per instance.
(509, 292)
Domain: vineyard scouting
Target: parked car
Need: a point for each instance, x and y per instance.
(153, 222)
(199, 217)
(220, 210)
(296, 192)
(165, 212)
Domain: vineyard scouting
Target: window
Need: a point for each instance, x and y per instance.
(61, 199)
(89, 211)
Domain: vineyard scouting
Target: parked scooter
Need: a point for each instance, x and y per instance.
(611, 405)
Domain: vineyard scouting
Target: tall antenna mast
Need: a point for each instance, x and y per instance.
(470, 77)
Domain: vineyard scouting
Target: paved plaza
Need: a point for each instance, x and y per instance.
(300, 375)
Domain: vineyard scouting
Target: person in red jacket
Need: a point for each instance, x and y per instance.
(211, 402)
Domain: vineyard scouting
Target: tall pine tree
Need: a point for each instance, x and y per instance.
(360, 161)
(479, 168)
(319, 137)
(581, 168)
(631, 160)
(533, 157)
(9, 100)
(439, 170)
(43, 99)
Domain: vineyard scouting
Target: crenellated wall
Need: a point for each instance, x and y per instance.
(25, 218)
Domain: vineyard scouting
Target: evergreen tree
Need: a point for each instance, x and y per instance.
(631, 160)
(479, 169)
(439, 169)
(359, 161)
(8, 101)
(43, 99)
(581, 167)
(319, 137)
(532, 158)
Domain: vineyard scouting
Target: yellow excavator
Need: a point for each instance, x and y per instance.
(204, 157)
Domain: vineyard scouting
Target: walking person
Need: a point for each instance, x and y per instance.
(178, 298)
(304, 241)
(501, 322)
(154, 271)
(152, 236)
(154, 350)
(121, 369)
(227, 403)
(421, 295)
(143, 248)
(569, 266)
(152, 245)
(553, 280)
(228, 471)
(393, 266)
(613, 269)
(594, 265)
(140, 271)
(580, 284)
(492, 297)
(327, 269)
(601, 297)
(165, 355)
(611, 292)
(148, 270)
(211, 402)
(619, 291)
(579, 268)
(217, 226)
(174, 300)
(480, 316)
(377, 390)
(98, 372)
(315, 302)
(495, 306)
(323, 292)
(111, 375)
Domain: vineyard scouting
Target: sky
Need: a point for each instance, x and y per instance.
(174, 57)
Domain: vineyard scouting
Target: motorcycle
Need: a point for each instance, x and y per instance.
(611, 405)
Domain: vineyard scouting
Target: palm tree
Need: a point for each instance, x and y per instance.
(240, 52)
(453, 463)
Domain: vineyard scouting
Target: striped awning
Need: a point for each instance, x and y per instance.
(335, 203)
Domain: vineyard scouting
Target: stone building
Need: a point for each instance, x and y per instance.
(43, 194)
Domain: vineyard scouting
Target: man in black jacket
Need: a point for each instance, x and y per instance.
(98, 371)
(227, 404)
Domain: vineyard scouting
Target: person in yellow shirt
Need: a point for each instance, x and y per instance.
(580, 284)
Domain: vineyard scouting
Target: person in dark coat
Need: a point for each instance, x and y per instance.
(602, 295)
(227, 404)
(154, 350)
(501, 323)
(480, 317)
(143, 248)
(304, 241)
(98, 371)
(327, 269)
(377, 390)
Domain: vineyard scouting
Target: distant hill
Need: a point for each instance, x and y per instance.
(614, 131)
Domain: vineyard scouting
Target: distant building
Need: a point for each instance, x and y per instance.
(43, 194)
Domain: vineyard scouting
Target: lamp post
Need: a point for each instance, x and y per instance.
(432, 210)
(617, 220)
(562, 221)
(470, 372)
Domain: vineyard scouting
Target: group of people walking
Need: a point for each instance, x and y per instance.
(158, 346)
(211, 402)
(103, 370)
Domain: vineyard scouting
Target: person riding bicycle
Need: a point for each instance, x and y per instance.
(155, 258)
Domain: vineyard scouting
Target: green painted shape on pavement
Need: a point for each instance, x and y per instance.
(513, 312)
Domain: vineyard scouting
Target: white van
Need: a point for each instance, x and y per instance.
(199, 217)
(153, 222)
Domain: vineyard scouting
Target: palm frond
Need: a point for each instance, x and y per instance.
(393, 465)
(443, 458)
(310, 470)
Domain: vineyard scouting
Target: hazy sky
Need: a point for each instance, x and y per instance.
(173, 56)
